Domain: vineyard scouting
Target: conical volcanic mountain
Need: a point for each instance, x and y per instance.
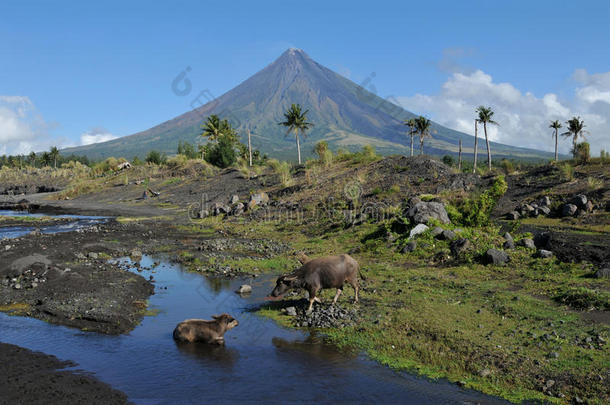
(344, 114)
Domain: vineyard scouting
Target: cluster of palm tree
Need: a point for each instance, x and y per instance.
(575, 130)
(47, 158)
(419, 126)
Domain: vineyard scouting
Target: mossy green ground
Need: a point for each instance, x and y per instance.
(458, 321)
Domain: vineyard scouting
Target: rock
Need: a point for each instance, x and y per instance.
(589, 206)
(508, 245)
(527, 243)
(238, 209)
(203, 214)
(291, 311)
(542, 240)
(17, 286)
(437, 230)
(496, 257)
(485, 372)
(258, 199)
(218, 209)
(513, 216)
(580, 201)
(603, 273)
(544, 202)
(544, 210)
(527, 210)
(80, 256)
(7, 247)
(234, 199)
(544, 254)
(92, 255)
(244, 289)
(508, 237)
(458, 246)
(419, 229)
(446, 235)
(409, 247)
(422, 212)
(135, 253)
(568, 210)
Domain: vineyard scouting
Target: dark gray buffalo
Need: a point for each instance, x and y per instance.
(199, 330)
(317, 274)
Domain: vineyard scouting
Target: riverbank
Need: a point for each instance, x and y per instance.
(31, 378)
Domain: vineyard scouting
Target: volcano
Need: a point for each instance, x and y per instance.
(344, 114)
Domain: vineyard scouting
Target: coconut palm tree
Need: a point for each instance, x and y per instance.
(422, 125)
(555, 125)
(32, 158)
(576, 129)
(476, 145)
(486, 117)
(214, 127)
(46, 158)
(296, 121)
(54, 154)
(411, 124)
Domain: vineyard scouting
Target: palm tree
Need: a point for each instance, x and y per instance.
(476, 145)
(213, 127)
(486, 117)
(54, 154)
(45, 158)
(576, 129)
(555, 125)
(296, 121)
(32, 158)
(412, 130)
(422, 125)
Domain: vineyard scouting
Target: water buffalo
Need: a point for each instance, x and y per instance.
(317, 274)
(199, 330)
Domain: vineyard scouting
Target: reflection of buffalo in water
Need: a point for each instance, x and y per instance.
(213, 354)
(314, 346)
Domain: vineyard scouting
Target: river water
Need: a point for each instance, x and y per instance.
(260, 363)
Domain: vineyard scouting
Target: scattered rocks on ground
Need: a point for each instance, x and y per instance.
(496, 257)
(325, 316)
(418, 230)
(459, 246)
(437, 230)
(92, 255)
(409, 247)
(446, 235)
(508, 245)
(290, 311)
(513, 216)
(603, 273)
(234, 199)
(544, 254)
(420, 212)
(527, 243)
(568, 210)
(580, 201)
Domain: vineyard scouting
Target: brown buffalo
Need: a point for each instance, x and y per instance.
(199, 330)
(317, 274)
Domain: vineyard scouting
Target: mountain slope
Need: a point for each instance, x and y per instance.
(344, 114)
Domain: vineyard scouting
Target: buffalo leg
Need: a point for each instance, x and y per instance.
(354, 284)
(318, 300)
(337, 296)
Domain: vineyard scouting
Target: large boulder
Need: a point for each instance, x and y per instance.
(446, 235)
(513, 216)
(527, 243)
(422, 212)
(496, 257)
(234, 199)
(409, 247)
(418, 230)
(544, 254)
(544, 210)
(218, 209)
(544, 202)
(568, 210)
(579, 201)
(603, 273)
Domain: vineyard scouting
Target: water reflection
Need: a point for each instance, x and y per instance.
(210, 355)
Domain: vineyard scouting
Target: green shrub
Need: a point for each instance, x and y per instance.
(448, 160)
(582, 152)
(507, 166)
(222, 153)
(476, 211)
(282, 169)
(155, 157)
(567, 171)
(584, 298)
(177, 161)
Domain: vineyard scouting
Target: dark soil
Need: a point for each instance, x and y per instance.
(30, 378)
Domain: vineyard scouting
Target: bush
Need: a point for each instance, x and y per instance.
(476, 211)
(177, 161)
(155, 157)
(507, 166)
(282, 169)
(448, 160)
(188, 150)
(221, 154)
(582, 152)
(567, 171)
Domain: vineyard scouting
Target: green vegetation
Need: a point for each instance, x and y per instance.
(485, 115)
(475, 211)
(296, 121)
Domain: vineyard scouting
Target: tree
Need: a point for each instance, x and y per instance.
(222, 153)
(412, 130)
(54, 153)
(476, 145)
(155, 157)
(296, 121)
(32, 158)
(46, 158)
(422, 126)
(486, 117)
(555, 125)
(576, 129)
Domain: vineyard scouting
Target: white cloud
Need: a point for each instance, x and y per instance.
(96, 135)
(523, 117)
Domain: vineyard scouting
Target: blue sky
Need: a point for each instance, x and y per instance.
(75, 69)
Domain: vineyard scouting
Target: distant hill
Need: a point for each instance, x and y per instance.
(344, 114)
